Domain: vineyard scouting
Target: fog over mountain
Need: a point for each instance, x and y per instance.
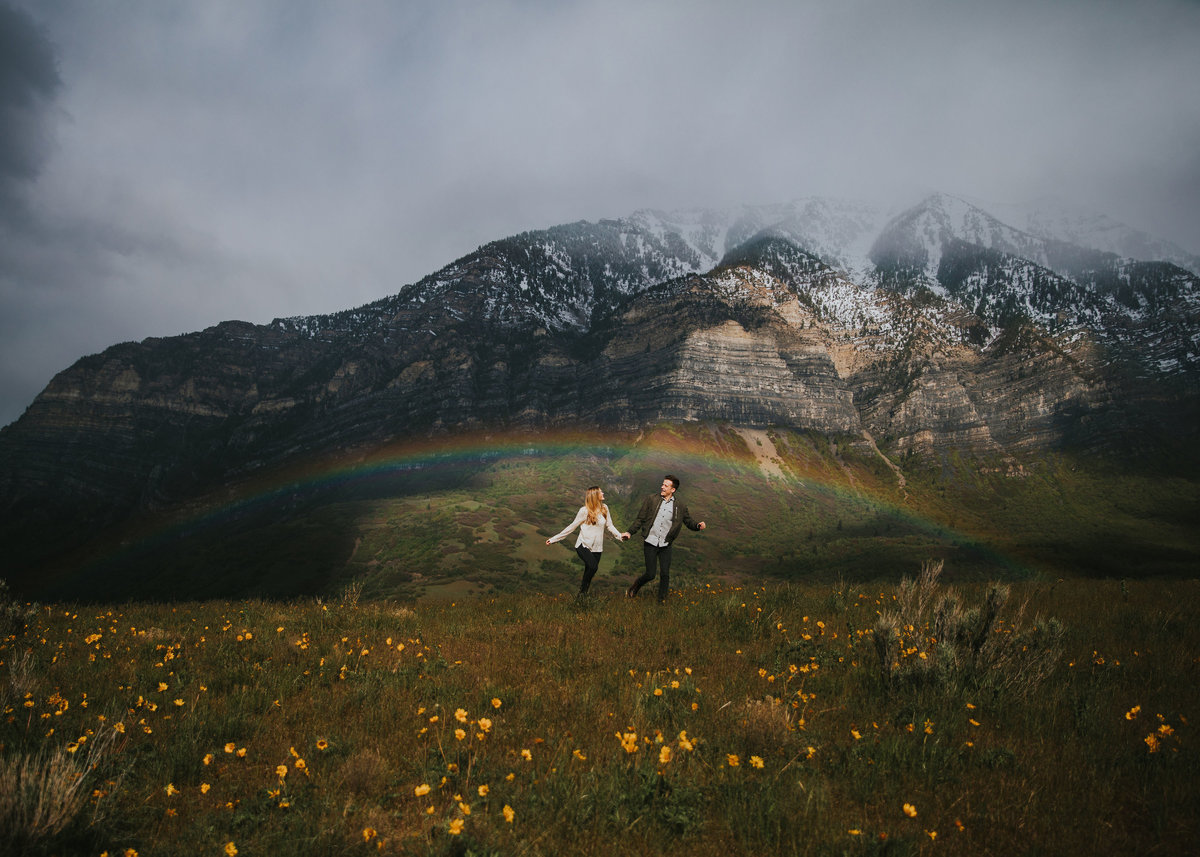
(167, 167)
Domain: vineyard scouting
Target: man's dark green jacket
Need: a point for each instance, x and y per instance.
(649, 511)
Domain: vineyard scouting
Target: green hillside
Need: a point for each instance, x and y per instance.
(471, 517)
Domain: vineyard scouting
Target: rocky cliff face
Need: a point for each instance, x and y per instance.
(943, 330)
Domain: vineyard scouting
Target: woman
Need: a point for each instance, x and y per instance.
(595, 519)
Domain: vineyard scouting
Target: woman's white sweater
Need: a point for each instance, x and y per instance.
(591, 536)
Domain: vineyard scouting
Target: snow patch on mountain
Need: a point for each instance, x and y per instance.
(1041, 264)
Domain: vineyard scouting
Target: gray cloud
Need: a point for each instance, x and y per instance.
(231, 159)
(28, 83)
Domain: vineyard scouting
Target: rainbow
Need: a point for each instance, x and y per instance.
(661, 450)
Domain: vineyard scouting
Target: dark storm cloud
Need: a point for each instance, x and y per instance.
(248, 159)
(28, 83)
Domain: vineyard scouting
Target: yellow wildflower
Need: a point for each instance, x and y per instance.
(483, 791)
(171, 790)
(732, 759)
(496, 702)
(910, 810)
(368, 834)
(664, 755)
(231, 849)
(485, 724)
(281, 771)
(460, 734)
(456, 827)
(464, 808)
(527, 756)
(230, 747)
(421, 790)
(204, 787)
(509, 814)
(756, 761)
(460, 715)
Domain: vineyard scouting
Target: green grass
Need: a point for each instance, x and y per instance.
(355, 700)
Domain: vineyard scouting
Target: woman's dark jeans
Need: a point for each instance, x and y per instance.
(591, 562)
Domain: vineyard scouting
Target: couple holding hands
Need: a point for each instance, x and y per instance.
(658, 523)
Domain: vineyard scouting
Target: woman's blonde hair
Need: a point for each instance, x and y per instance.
(595, 506)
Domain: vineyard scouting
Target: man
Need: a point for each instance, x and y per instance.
(659, 520)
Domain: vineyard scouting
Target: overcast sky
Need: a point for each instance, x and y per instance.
(166, 166)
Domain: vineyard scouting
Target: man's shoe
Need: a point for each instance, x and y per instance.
(631, 593)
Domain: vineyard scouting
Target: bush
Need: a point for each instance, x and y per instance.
(42, 795)
(14, 616)
(933, 639)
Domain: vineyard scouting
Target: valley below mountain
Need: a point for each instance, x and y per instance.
(933, 382)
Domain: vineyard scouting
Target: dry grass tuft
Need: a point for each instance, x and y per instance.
(934, 638)
(361, 773)
(764, 724)
(42, 794)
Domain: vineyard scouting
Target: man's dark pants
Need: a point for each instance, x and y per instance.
(662, 558)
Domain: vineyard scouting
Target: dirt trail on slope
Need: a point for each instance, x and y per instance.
(764, 451)
(900, 482)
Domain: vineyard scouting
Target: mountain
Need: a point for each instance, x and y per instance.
(938, 332)
(1052, 219)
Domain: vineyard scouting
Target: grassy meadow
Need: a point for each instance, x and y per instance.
(1040, 717)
